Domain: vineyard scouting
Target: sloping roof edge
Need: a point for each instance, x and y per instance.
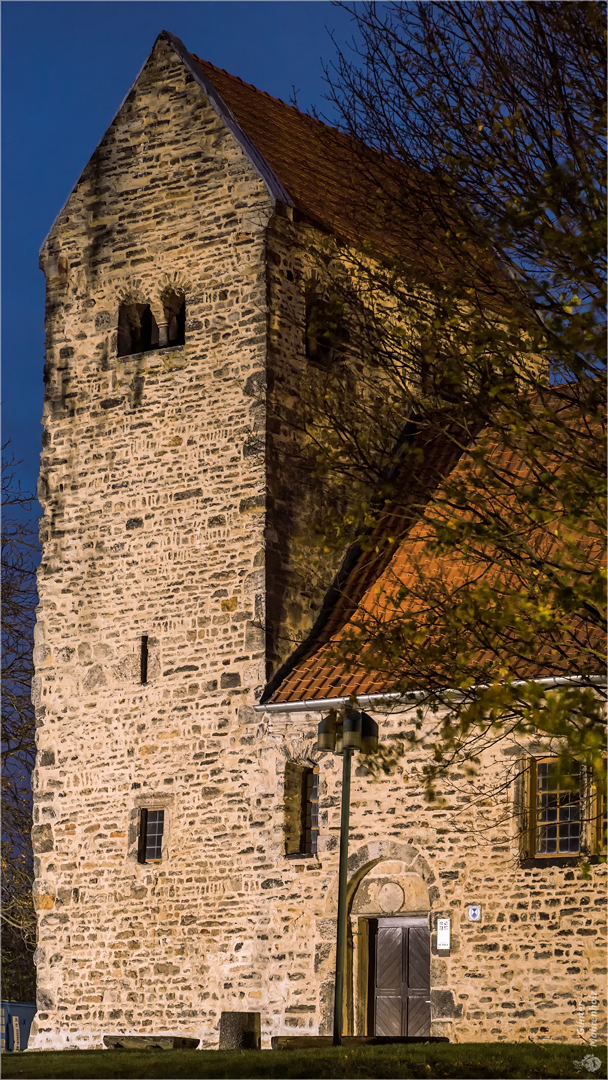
(330, 600)
(273, 184)
(336, 591)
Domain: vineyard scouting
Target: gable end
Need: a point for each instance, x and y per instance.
(274, 185)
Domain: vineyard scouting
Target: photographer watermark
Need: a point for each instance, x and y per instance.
(587, 1029)
(589, 1062)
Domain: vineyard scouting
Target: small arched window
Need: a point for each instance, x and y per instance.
(174, 305)
(326, 333)
(137, 329)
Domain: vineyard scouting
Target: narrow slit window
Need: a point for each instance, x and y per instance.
(144, 658)
(151, 828)
(137, 329)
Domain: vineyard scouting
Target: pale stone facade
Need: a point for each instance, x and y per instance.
(167, 499)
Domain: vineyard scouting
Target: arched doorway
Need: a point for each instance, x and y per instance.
(390, 952)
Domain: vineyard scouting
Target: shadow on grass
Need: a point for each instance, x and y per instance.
(502, 1061)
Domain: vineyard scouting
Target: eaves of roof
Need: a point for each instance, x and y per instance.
(391, 701)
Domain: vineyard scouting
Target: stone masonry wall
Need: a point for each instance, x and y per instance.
(299, 569)
(536, 957)
(153, 489)
(154, 481)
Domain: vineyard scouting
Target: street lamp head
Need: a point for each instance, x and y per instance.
(351, 729)
(348, 730)
(369, 734)
(327, 729)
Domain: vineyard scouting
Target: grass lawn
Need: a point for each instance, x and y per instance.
(506, 1061)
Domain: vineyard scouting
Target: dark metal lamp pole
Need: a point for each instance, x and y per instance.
(343, 733)
(342, 886)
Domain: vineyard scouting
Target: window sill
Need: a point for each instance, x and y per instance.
(302, 858)
(152, 352)
(558, 860)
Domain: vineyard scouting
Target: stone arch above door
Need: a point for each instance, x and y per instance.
(412, 865)
(389, 888)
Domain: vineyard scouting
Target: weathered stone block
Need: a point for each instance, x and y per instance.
(443, 1004)
(42, 839)
(230, 679)
(240, 1031)
(149, 1042)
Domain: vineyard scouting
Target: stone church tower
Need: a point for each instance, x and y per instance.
(167, 503)
(169, 888)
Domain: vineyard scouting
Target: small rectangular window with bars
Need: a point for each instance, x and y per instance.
(600, 808)
(557, 809)
(310, 812)
(151, 829)
(301, 809)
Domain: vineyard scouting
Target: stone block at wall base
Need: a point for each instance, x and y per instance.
(309, 1042)
(149, 1042)
(240, 1031)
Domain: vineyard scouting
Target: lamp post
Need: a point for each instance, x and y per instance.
(343, 733)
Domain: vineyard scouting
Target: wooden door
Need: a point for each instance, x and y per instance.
(401, 978)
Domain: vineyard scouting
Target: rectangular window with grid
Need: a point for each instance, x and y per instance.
(600, 810)
(151, 828)
(556, 808)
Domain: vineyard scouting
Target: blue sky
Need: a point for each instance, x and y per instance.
(66, 68)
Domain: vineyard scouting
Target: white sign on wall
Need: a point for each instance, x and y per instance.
(474, 913)
(443, 933)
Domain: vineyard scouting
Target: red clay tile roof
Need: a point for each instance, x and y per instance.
(317, 165)
(330, 181)
(336, 183)
(367, 596)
